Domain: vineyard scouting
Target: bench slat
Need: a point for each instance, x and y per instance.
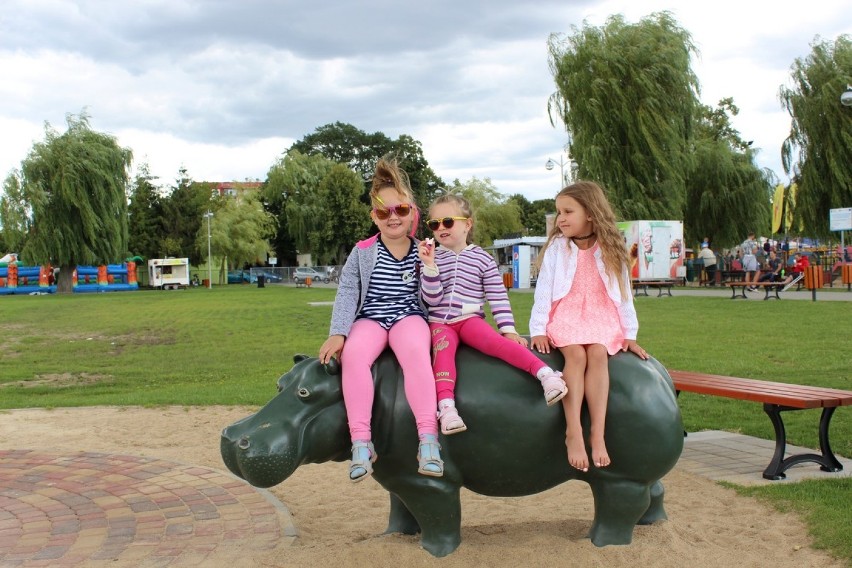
(797, 396)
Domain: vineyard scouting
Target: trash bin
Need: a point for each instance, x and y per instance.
(308, 281)
(261, 280)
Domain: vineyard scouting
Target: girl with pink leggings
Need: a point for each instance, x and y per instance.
(378, 305)
(456, 281)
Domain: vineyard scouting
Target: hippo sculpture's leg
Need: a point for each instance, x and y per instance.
(656, 511)
(401, 520)
(433, 506)
(619, 505)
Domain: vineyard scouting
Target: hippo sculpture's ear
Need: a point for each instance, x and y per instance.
(299, 357)
(332, 367)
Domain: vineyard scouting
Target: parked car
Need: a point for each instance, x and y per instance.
(303, 272)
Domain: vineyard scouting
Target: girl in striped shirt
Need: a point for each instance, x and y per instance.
(455, 282)
(378, 305)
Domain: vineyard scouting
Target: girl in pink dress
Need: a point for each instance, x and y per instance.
(584, 307)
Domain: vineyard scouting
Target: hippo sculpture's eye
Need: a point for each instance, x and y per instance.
(303, 392)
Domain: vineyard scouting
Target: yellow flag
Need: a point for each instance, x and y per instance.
(777, 208)
(791, 204)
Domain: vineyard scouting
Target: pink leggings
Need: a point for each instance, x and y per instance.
(409, 340)
(477, 333)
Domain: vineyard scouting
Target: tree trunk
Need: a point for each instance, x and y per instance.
(65, 280)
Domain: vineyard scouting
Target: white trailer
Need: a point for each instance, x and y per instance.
(168, 273)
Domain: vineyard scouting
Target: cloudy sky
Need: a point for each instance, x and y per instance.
(223, 87)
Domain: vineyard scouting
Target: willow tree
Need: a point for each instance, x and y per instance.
(818, 152)
(237, 233)
(727, 193)
(14, 214)
(627, 96)
(76, 184)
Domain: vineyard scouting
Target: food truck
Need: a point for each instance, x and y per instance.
(168, 273)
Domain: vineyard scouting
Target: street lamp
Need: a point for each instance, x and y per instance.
(846, 97)
(551, 163)
(572, 169)
(207, 216)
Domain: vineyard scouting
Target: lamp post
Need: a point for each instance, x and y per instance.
(207, 216)
(572, 169)
(846, 97)
(551, 163)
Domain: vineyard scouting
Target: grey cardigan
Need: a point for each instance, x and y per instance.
(354, 283)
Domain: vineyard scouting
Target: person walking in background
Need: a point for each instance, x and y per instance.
(584, 307)
(752, 270)
(708, 258)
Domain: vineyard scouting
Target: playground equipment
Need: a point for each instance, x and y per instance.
(16, 278)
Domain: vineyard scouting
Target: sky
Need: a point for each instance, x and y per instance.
(223, 88)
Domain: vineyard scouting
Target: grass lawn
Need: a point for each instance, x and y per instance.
(229, 345)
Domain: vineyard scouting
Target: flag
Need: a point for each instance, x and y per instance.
(777, 208)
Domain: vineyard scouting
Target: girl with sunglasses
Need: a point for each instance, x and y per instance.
(378, 305)
(456, 281)
(584, 307)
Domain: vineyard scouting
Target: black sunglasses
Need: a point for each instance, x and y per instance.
(447, 222)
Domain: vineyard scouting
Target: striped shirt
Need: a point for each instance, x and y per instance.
(461, 286)
(392, 294)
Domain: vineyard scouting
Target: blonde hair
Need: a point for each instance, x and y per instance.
(613, 252)
(389, 175)
(462, 204)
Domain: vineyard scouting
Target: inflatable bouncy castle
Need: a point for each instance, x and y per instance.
(16, 278)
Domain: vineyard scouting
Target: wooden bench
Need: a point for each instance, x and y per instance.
(776, 398)
(662, 286)
(767, 287)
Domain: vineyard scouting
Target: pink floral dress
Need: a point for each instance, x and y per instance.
(587, 314)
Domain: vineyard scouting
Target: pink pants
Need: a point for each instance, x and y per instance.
(409, 340)
(478, 334)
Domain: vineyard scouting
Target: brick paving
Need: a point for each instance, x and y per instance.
(84, 509)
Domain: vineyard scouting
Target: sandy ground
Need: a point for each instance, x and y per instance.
(341, 523)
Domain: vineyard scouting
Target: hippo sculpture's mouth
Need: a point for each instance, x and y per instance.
(260, 466)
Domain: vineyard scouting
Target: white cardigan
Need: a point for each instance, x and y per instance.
(554, 282)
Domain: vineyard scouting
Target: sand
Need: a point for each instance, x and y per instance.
(341, 523)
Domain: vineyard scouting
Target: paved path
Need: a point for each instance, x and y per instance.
(90, 509)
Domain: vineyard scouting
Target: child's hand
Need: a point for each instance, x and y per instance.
(426, 252)
(332, 346)
(516, 338)
(541, 344)
(631, 345)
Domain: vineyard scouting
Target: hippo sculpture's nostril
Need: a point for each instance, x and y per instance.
(244, 443)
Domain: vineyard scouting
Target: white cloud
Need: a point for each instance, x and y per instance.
(223, 88)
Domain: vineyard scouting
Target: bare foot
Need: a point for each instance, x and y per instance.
(600, 457)
(577, 456)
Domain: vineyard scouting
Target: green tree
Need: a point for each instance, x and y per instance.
(293, 196)
(627, 96)
(727, 193)
(346, 219)
(76, 184)
(346, 144)
(237, 233)
(494, 214)
(14, 214)
(182, 217)
(533, 214)
(145, 225)
(818, 152)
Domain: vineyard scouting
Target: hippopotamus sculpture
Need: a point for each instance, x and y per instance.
(514, 445)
